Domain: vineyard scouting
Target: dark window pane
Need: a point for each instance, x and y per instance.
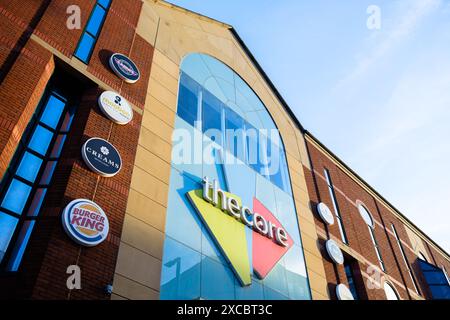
(104, 3)
(85, 47)
(21, 244)
(187, 100)
(95, 21)
(48, 173)
(29, 167)
(7, 227)
(212, 116)
(57, 148)
(36, 204)
(68, 117)
(40, 140)
(16, 196)
(52, 112)
(234, 126)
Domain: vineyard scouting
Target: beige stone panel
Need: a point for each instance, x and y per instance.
(300, 194)
(243, 67)
(294, 162)
(160, 110)
(318, 296)
(152, 164)
(318, 283)
(148, 23)
(155, 144)
(303, 150)
(149, 186)
(146, 209)
(177, 16)
(417, 243)
(116, 297)
(163, 40)
(140, 235)
(157, 126)
(129, 289)
(314, 260)
(157, 90)
(166, 64)
(138, 266)
(310, 244)
(304, 212)
(308, 228)
(165, 78)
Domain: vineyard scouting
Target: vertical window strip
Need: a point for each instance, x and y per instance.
(404, 258)
(92, 31)
(350, 279)
(377, 248)
(337, 213)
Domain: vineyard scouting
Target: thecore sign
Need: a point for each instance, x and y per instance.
(217, 197)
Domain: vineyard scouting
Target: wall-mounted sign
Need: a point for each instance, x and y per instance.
(101, 157)
(124, 68)
(334, 251)
(85, 222)
(325, 213)
(343, 293)
(115, 107)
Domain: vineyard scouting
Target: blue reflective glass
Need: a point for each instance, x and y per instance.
(180, 275)
(85, 47)
(217, 281)
(96, 20)
(212, 117)
(48, 173)
(270, 294)
(16, 196)
(441, 292)
(21, 244)
(7, 226)
(104, 3)
(234, 125)
(436, 277)
(67, 121)
(36, 204)
(52, 112)
(253, 292)
(188, 99)
(296, 274)
(276, 279)
(57, 148)
(40, 140)
(29, 167)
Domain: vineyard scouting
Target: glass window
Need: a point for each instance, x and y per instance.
(188, 100)
(436, 280)
(29, 167)
(85, 47)
(212, 117)
(422, 256)
(37, 202)
(96, 20)
(390, 292)
(48, 173)
(350, 279)
(367, 217)
(7, 226)
(337, 213)
(221, 276)
(52, 112)
(16, 196)
(234, 125)
(21, 244)
(104, 3)
(68, 117)
(40, 140)
(57, 148)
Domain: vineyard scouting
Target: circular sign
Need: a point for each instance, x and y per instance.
(343, 293)
(85, 222)
(101, 157)
(325, 213)
(115, 107)
(124, 68)
(334, 251)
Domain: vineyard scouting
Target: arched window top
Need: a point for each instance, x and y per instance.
(365, 214)
(422, 256)
(390, 292)
(227, 86)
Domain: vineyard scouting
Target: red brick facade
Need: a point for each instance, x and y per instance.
(26, 70)
(348, 194)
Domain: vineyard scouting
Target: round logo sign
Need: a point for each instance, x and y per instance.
(115, 107)
(124, 68)
(343, 293)
(85, 222)
(325, 213)
(334, 251)
(101, 157)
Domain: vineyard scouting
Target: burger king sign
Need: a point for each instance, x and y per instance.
(85, 222)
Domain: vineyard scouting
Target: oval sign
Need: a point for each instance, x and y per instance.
(101, 157)
(325, 213)
(115, 107)
(334, 251)
(85, 222)
(124, 68)
(343, 293)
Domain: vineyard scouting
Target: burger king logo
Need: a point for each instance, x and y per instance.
(85, 222)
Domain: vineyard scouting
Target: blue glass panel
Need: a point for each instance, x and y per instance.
(182, 221)
(68, 117)
(29, 167)
(180, 277)
(36, 204)
(217, 281)
(57, 148)
(235, 174)
(194, 66)
(270, 294)
(85, 47)
(104, 3)
(436, 277)
(188, 99)
(16, 196)
(7, 226)
(52, 112)
(21, 244)
(234, 126)
(276, 279)
(253, 292)
(40, 140)
(440, 292)
(48, 173)
(266, 194)
(294, 262)
(95, 21)
(212, 117)
(286, 214)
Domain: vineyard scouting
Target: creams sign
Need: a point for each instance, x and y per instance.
(85, 222)
(101, 157)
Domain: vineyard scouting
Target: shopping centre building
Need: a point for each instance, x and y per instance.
(144, 154)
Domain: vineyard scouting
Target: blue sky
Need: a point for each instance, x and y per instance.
(379, 99)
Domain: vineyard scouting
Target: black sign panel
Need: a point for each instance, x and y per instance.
(101, 157)
(124, 68)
